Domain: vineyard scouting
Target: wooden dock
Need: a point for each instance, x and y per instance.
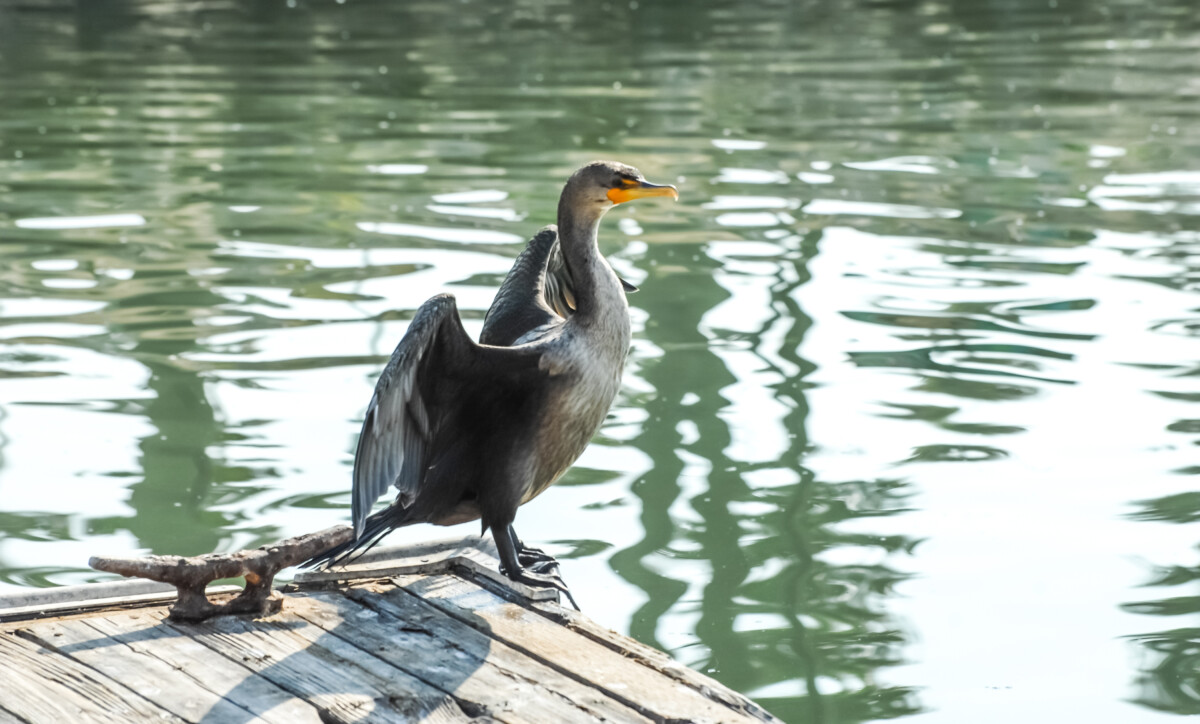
(424, 634)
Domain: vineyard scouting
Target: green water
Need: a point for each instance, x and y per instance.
(910, 423)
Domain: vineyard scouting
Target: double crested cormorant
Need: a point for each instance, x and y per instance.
(468, 431)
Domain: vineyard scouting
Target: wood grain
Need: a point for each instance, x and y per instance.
(585, 660)
(428, 633)
(346, 683)
(505, 683)
(41, 685)
(146, 635)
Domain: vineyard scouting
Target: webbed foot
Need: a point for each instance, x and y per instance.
(538, 577)
(537, 560)
(530, 566)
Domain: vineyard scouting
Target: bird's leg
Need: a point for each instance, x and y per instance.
(539, 561)
(510, 565)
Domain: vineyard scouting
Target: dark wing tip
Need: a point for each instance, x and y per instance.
(389, 435)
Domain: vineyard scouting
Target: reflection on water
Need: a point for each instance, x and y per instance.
(919, 333)
(1169, 669)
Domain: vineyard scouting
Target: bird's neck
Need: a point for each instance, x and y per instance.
(595, 282)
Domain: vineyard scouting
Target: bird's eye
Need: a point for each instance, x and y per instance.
(624, 182)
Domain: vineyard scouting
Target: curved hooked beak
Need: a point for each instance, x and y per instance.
(641, 190)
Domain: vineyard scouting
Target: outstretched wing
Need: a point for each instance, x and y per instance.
(404, 417)
(519, 305)
(537, 291)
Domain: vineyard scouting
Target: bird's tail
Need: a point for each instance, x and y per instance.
(375, 528)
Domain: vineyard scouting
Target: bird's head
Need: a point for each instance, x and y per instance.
(600, 185)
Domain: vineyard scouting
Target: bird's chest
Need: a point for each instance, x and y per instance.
(590, 378)
(585, 380)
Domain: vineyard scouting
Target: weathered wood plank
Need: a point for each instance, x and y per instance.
(582, 659)
(476, 555)
(459, 642)
(154, 679)
(80, 599)
(346, 683)
(459, 659)
(650, 657)
(43, 686)
(432, 557)
(22, 597)
(168, 656)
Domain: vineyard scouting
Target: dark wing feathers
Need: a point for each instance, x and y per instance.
(387, 431)
(519, 305)
(400, 434)
(537, 291)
